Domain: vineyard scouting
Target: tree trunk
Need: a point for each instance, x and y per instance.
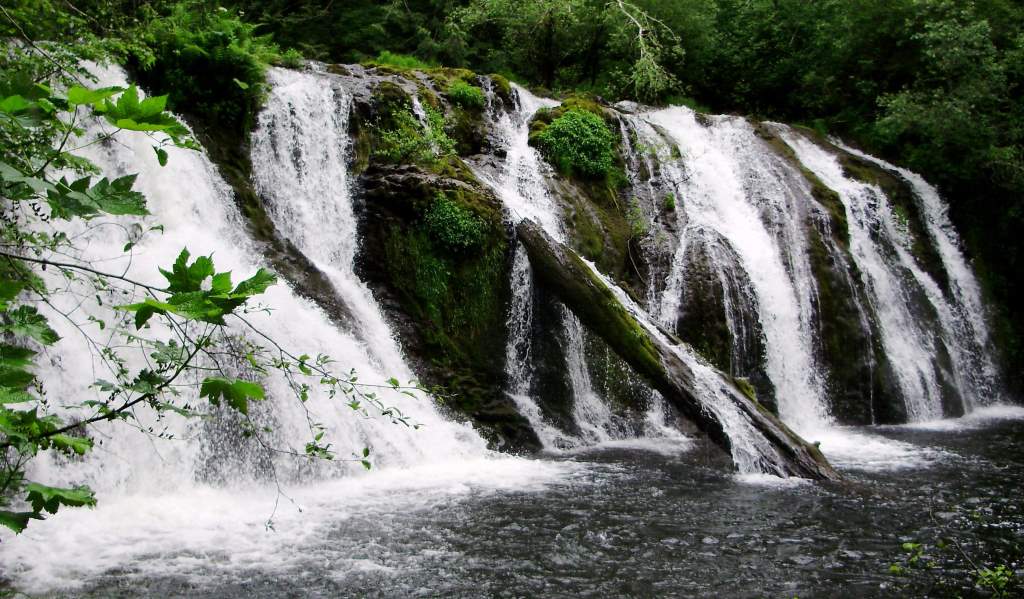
(649, 351)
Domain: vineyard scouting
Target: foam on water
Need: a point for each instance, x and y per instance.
(977, 419)
(862, 449)
(208, 535)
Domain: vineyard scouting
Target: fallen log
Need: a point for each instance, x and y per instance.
(756, 438)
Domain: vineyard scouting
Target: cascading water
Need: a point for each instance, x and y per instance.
(187, 516)
(299, 157)
(730, 187)
(520, 183)
(751, 452)
(968, 329)
(186, 497)
(918, 323)
(519, 358)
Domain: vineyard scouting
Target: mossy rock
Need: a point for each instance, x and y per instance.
(825, 196)
(855, 374)
(388, 98)
(743, 384)
(905, 206)
(469, 130)
(704, 315)
(436, 248)
(502, 87)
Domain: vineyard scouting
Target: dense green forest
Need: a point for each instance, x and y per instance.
(933, 85)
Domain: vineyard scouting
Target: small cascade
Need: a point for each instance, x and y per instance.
(520, 183)
(935, 344)
(751, 453)
(519, 358)
(967, 325)
(730, 187)
(591, 413)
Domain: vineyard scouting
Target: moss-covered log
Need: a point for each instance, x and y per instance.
(644, 348)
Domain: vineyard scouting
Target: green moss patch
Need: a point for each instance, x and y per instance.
(466, 95)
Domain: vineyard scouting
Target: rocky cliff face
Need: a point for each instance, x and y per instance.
(687, 214)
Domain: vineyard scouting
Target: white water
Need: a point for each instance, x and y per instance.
(728, 186)
(751, 452)
(204, 499)
(895, 282)
(521, 183)
(968, 329)
(519, 357)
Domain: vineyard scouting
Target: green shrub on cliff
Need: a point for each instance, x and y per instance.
(409, 140)
(209, 62)
(578, 142)
(453, 225)
(466, 95)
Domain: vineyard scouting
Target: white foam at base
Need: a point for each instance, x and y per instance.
(770, 481)
(861, 449)
(215, 534)
(979, 418)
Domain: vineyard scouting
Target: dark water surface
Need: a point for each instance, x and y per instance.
(631, 522)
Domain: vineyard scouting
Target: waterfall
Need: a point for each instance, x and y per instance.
(300, 153)
(304, 174)
(730, 188)
(751, 452)
(520, 181)
(519, 358)
(964, 317)
(210, 488)
(919, 323)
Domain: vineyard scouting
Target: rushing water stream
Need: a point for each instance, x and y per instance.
(605, 510)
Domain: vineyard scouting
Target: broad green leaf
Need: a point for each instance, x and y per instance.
(128, 103)
(221, 283)
(161, 155)
(14, 104)
(79, 95)
(9, 395)
(235, 392)
(256, 284)
(168, 353)
(9, 289)
(17, 521)
(77, 445)
(168, 407)
(50, 499)
(133, 125)
(27, 321)
(153, 106)
(11, 174)
(77, 199)
(188, 277)
(13, 355)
